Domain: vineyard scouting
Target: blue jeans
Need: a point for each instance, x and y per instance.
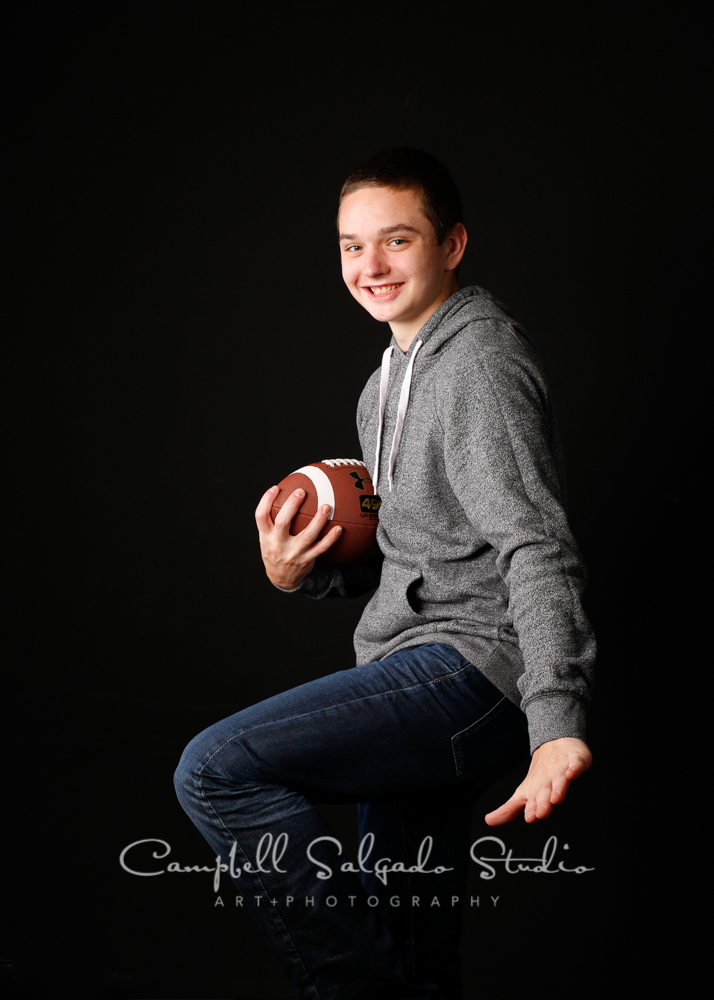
(414, 738)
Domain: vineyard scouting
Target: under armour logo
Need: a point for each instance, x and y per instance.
(359, 480)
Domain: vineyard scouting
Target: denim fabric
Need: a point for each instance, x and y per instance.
(413, 738)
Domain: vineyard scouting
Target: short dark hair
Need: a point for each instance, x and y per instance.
(404, 168)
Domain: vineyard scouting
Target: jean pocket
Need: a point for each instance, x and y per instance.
(493, 745)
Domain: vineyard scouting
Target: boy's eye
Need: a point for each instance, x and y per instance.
(354, 246)
(396, 242)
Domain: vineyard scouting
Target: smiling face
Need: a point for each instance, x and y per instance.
(391, 261)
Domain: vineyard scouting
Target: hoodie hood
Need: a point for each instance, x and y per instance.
(463, 307)
(468, 305)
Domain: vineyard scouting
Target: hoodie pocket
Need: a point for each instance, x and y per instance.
(402, 582)
(410, 595)
(390, 612)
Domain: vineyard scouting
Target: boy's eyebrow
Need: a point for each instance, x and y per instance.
(400, 228)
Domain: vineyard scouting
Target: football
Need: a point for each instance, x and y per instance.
(346, 485)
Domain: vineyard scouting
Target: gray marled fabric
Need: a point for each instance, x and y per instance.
(474, 531)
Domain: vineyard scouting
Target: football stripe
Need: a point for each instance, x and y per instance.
(323, 486)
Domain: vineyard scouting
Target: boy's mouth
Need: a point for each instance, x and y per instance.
(385, 291)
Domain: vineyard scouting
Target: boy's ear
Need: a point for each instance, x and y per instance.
(456, 241)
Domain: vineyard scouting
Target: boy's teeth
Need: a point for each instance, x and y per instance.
(382, 289)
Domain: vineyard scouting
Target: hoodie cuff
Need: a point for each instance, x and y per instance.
(295, 590)
(552, 717)
(315, 585)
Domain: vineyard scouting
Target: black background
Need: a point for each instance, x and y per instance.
(181, 339)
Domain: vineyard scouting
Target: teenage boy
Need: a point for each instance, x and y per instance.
(474, 642)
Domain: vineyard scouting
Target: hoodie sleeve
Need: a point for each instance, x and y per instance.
(503, 462)
(339, 581)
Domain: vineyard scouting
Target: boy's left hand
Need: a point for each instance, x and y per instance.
(553, 766)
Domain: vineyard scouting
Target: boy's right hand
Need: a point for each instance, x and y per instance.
(289, 558)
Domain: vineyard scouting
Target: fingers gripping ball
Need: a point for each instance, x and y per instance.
(346, 486)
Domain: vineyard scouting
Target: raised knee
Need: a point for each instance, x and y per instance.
(187, 776)
(209, 765)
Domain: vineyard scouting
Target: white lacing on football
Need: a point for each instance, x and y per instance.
(332, 462)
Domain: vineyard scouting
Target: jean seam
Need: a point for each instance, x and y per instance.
(410, 911)
(341, 704)
(445, 677)
(274, 911)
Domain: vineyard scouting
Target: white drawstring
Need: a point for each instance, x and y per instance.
(401, 411)
(384, 379)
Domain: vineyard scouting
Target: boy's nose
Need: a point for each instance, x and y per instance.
(375, 264)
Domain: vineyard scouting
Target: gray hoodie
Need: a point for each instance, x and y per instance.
(472, 523)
